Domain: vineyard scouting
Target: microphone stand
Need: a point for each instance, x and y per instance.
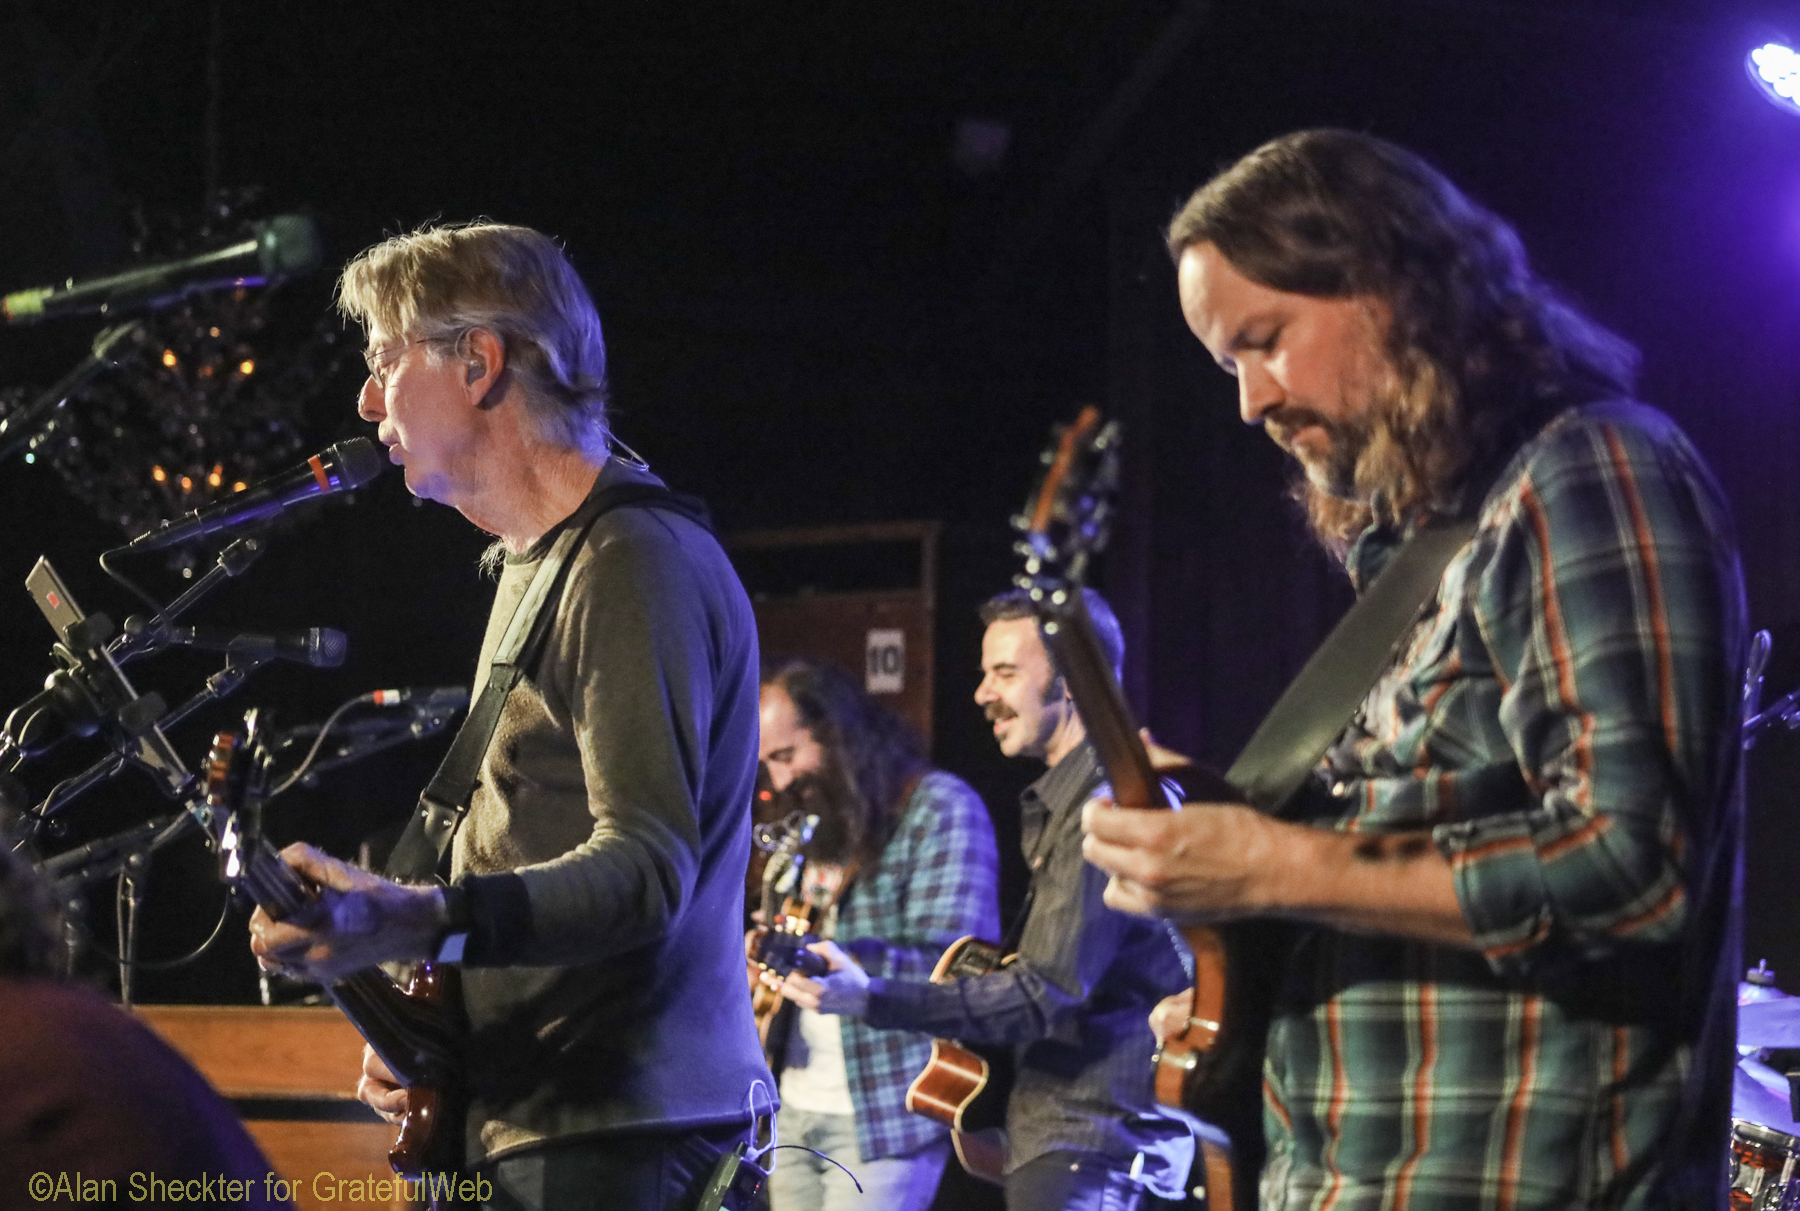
(364, 738)
(142, 639)
(125, 855)
(221, 684)
(18, 430)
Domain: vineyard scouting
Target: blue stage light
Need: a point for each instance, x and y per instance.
(1775, 69)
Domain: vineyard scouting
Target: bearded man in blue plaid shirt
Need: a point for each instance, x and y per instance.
(1516, 871)
(902, 865)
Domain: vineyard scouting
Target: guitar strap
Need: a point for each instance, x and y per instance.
(1314, 709)
(419, 855)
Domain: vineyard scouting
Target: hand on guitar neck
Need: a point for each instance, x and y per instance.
(844, 989)
(1224, 861)
(358, 921)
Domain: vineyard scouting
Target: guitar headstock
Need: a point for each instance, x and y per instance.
(783, 841)
(1067, 519)
(235, 776)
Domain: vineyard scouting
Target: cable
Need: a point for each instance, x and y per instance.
(319, 741)
(164, 964)
(156, 607)
(756, 1158)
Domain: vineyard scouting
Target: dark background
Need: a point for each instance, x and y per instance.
(818, 312)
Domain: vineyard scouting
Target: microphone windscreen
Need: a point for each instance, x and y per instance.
(358, 461)
(290, 245)
(328, 648)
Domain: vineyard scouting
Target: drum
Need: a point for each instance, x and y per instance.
(1765, 1168)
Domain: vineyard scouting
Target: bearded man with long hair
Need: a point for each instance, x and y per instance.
(1515, 871)
(902, 864)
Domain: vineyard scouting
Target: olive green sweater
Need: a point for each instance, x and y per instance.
(605, 846)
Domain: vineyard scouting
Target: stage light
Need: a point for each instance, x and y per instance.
(1775, 69)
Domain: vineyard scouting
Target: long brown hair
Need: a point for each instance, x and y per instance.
(1482, 351)
(873, 748)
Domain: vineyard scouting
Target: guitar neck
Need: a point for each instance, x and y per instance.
(1076, 651)
(412, 1036)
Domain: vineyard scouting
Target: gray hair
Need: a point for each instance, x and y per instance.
(438, 283)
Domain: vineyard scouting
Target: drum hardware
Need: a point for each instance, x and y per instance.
(1763, 1164)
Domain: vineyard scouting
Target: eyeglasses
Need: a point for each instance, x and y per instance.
(381, 362)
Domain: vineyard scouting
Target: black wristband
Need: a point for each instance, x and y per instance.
(459, 914)
(459, 920)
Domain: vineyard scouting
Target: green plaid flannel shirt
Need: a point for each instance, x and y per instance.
(1565, 722)
(937, 880)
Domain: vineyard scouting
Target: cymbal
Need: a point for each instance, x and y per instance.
(1770, 1023)
(1753, 1099)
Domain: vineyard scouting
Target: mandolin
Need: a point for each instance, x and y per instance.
(417, 1031)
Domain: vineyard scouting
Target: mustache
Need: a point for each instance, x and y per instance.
(1284, 422)
(998, 710)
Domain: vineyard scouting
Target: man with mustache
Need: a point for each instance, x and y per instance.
(1515, 870)
(1082, 1120)
(902, 864)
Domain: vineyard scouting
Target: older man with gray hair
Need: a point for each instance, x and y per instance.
(597, 867)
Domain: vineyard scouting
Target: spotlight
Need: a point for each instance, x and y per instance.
(1775, 69)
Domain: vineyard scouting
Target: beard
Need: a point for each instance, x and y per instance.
(1336, 470)
(830, 794)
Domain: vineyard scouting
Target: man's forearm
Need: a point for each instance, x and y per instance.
(1220, 862)
(1392, 883)
(1010, 1007)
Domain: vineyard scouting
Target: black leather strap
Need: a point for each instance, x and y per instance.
(1313, 710)
(421, 848)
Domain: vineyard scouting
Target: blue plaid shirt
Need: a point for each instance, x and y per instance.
(1564, 720)
(937, 881)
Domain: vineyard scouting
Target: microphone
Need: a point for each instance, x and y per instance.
(321, 647)
(281, 247)
(349, 464)
(429, 699)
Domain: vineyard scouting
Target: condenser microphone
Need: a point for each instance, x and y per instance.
(321, 647)
(349, 464)
(282, 247)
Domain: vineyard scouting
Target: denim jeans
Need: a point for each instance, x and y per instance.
(634, 1171)
(802, 1182)
(1071, 1181)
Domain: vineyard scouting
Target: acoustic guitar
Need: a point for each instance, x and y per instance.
(1213, 1068)
(964, 1088)
(417, 1031)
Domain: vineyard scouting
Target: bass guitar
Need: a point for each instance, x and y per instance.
(1213, 1068)
(417, 1031)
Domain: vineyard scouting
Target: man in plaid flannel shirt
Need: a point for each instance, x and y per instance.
(904, 863)
(1516, 869)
